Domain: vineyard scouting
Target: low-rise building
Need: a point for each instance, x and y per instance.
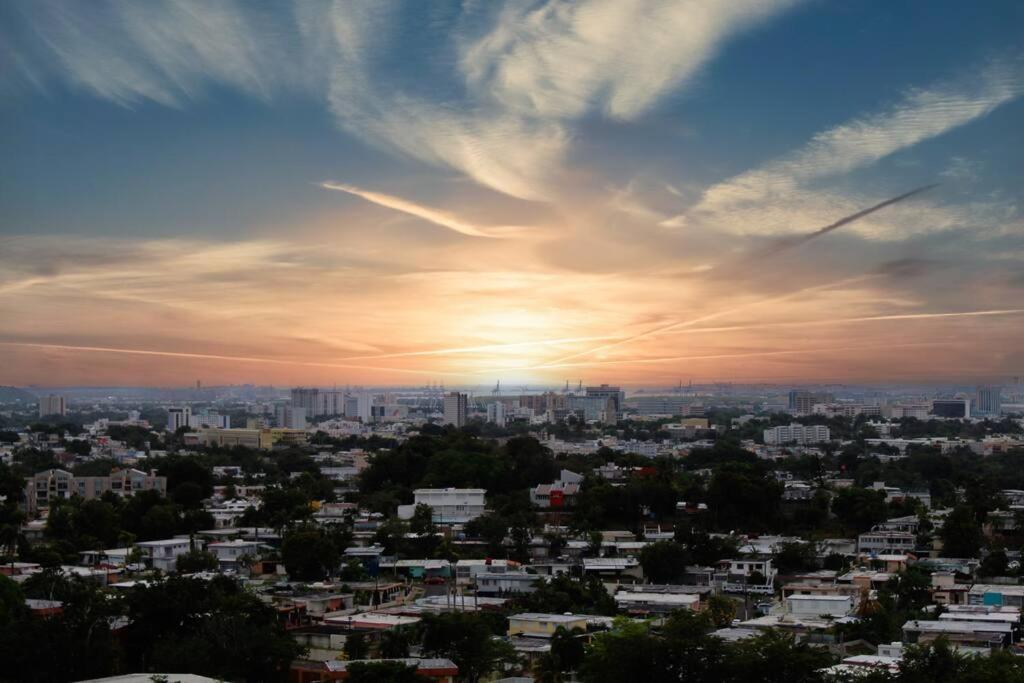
(163, 554)
(44, 487)
(449, 506)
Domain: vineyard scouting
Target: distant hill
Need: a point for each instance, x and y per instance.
(12, 394)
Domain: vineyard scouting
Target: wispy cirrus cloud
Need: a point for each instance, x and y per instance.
(922, 114)
(166, 52)
(564, 59)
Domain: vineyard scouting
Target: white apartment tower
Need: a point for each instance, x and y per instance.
(178, 418)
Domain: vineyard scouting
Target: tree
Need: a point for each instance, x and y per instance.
(664, 561)
(961, 534)
(422, 521)
(466, 640)
(309, 554)
(214, 628)
(721, 610)
(394, 643)
(196, 561)
(995, 564)
(794, 556)
(567, 649)
(356, 646)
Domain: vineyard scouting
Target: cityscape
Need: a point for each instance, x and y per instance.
(539, 341)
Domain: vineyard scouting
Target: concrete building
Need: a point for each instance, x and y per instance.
(290, 417)
(450, 506)
(802, 402)
(163, 555)
(178, 418)
(886, 543)
(988, 401)
(320, 402)
(497, 413)
(614, 394)
(51, 404)
(952, 408)
(539, 625)
(44, 487)
(456, 409)
(209, 419)
(796, 433)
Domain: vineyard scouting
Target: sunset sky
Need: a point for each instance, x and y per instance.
(465, 192)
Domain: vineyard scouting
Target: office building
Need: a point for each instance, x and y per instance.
(52, 405)
(796, 433)
(952, 408)
(178, 418)
(290, 417)
(456, 409)
(659, 405)
(988, 401)
(614, 394)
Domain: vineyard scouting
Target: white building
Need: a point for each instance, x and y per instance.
(209, 420)
(229, 552)
(456, 407)
(52, 405)
(496, 413)
(796, 433)
(163, 555)
(178, 418)
(450, 506)
(886, 542)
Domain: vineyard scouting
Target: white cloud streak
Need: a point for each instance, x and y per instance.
(922, 114)
(435, 216)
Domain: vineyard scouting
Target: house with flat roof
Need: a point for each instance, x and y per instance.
(541, 625)
(163, 554)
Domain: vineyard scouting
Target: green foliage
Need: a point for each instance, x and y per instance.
(961, 534)
(465, 639)
(310, 554)
(664, 561)
(196, 561)
(857, 509)
(563, 594)
(356, 646)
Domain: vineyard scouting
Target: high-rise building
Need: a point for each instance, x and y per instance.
(52, 404)
(989, 401)
(615, 394)
(802, 402)
(496, 413)
(456, 409)
(290, 417)
(319, 401)
(178, 418)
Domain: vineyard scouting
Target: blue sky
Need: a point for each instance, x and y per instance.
(543, 176)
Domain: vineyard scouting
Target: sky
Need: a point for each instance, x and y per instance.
(403, 193)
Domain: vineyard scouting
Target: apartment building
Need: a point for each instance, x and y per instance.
(44, 487)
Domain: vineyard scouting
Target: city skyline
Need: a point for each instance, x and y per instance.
(398, 193)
